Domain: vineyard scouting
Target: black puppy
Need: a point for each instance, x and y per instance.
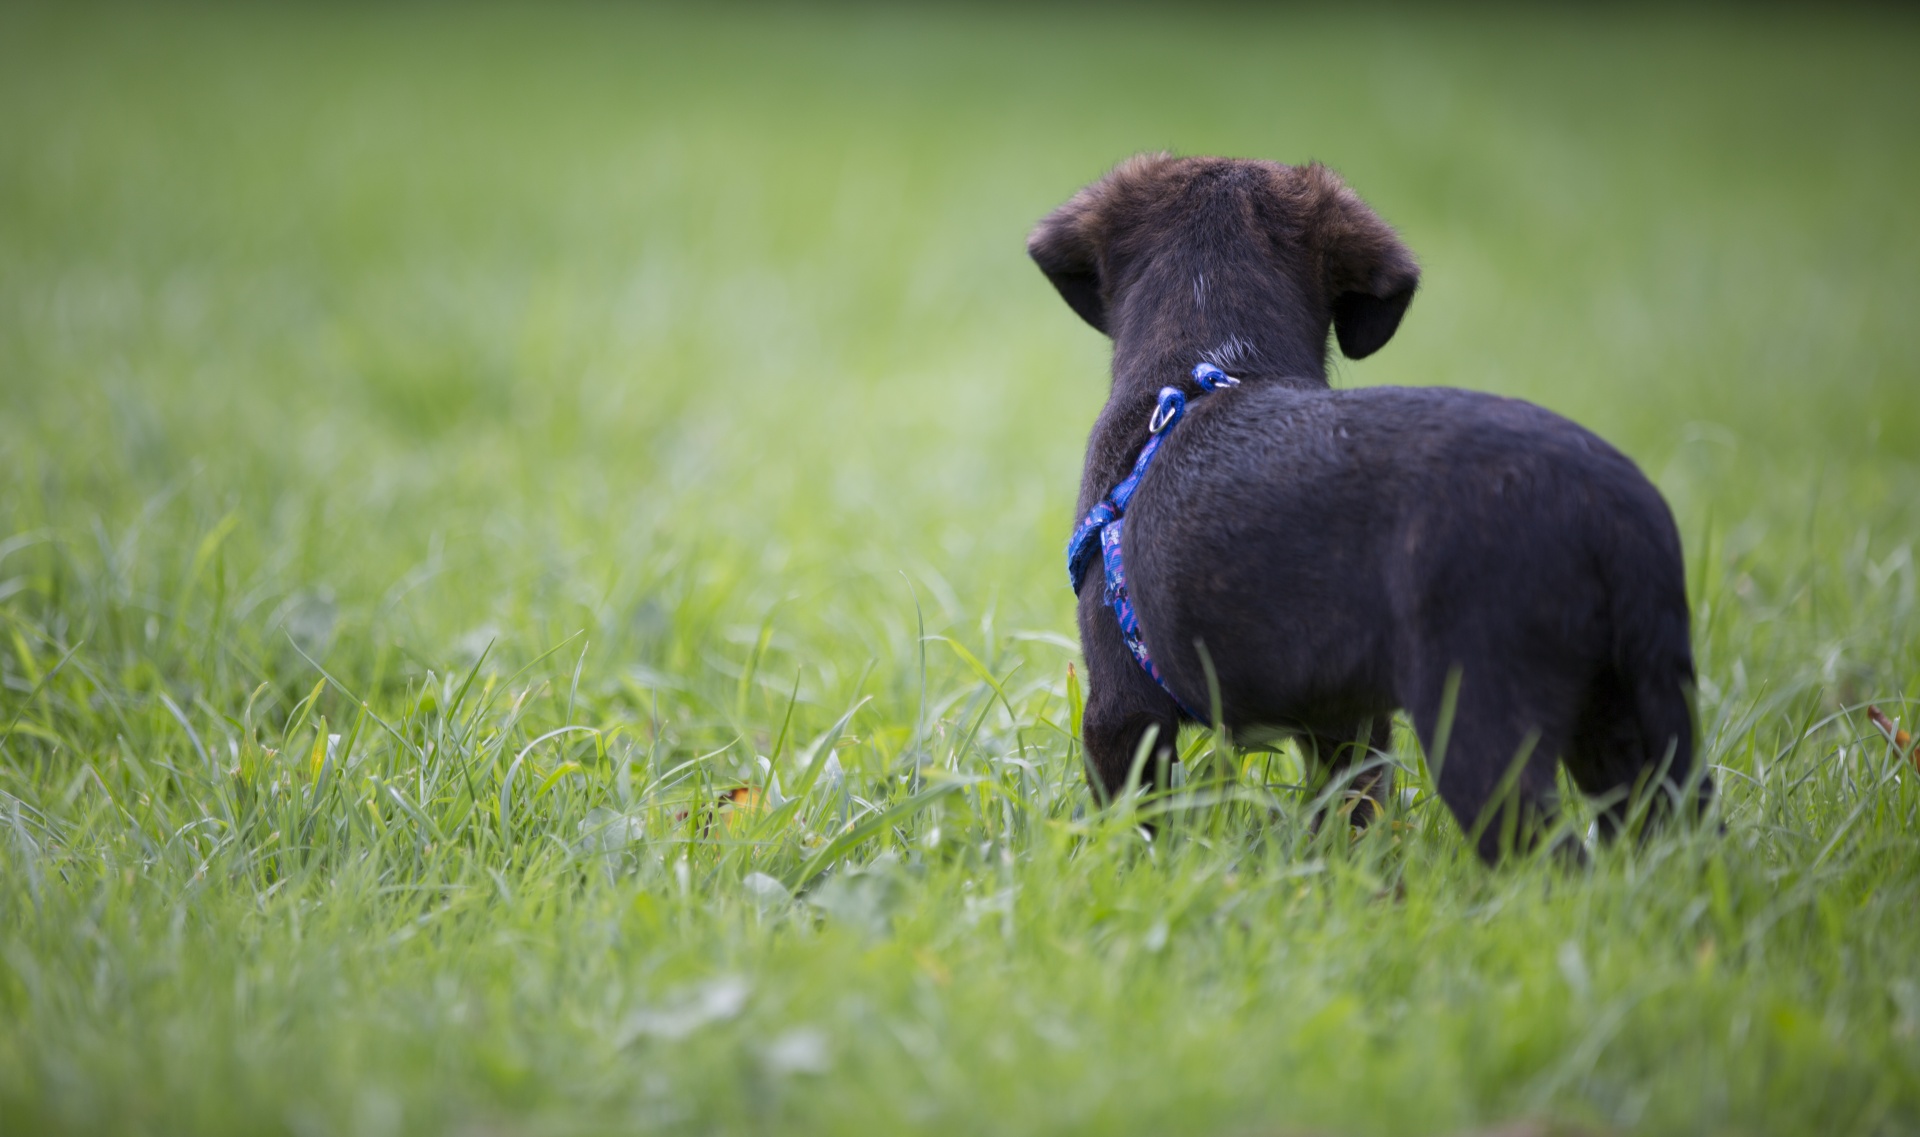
(1331, 556)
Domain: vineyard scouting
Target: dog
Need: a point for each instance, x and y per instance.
(1308, 561)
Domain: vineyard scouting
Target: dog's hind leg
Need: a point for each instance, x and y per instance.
(1626, 741)
(1495, 765)
(1357, 759)
(1637, 722)
(1606, 753)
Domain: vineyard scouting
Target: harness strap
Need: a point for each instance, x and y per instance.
(1102, 525)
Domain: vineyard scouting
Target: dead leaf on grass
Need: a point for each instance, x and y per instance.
(738, 803)
(1902, 741)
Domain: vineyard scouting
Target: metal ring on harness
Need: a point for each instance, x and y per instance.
(1212, 378)
(1172, 403)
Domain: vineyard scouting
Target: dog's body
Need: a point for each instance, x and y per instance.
(1334, 555)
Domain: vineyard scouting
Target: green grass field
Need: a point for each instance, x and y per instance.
(443, 449)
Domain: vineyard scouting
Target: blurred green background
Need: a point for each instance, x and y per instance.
(699, 347)
(758, 277)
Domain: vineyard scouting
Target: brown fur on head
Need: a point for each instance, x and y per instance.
(1254, 242)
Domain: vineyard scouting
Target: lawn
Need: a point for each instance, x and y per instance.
(445, 450)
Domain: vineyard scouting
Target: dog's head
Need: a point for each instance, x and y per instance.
(1295, 236)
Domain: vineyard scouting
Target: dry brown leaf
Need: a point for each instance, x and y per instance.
(740, 801)
(1902, 741)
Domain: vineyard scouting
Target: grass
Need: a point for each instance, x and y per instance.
(441, 451)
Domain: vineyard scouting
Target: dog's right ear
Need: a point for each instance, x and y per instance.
(1063, 246)
(1071, 244)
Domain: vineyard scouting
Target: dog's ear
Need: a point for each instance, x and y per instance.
(1063, 245)
(1370, 275)
(1070, 244)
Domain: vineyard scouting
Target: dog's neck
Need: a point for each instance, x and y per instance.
(1155, 346)
(1206, 298)
(1139, 374)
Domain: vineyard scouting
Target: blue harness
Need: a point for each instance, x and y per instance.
(1102, 524)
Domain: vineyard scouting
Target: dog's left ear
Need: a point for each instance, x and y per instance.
(1370, 275)
(1063, 246)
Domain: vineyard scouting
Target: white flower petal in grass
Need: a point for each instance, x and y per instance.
(604, 831)
(648, 679)
(803, 1050)
(766, 891)
(716, 1000)
(1573, 968)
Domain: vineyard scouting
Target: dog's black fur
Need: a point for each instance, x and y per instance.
(1335, 555)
